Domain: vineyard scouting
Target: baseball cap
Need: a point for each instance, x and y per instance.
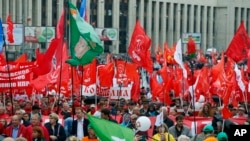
(92, 105)
(208, 128)
(222, 136)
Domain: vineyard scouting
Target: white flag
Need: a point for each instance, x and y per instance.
(239, 78)
(159, 118)
(178, 58)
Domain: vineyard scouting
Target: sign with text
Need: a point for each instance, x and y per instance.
(88, 90)
(107, 34)
(17, 34)
(39, 34)
(196, 37)
(115, 92)
(18, 79)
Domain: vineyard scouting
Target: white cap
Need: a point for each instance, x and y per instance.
(92, 106)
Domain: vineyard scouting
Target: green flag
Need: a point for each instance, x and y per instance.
(110, 131)
(85, 44)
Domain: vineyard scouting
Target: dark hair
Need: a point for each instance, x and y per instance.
(179, 117)
(105, 111)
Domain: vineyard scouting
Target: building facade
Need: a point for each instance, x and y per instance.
(163, 20)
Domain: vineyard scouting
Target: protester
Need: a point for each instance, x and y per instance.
(3, 114)
(26, 119)
(91, 136)
(179, 128)
(105, 114)
(222, 136)
(8, 139)
(162, 134)
(36, 122)
(37, 134)
(240, 112)
(16, 129)
(126, 120)
(66, 112)
(145, 108)
(209, 133)
(80, 124)
(21, 139)
(55, 129)
(248, 119)
(152, 110)
(143, 134)
(186, 110)
(72, 138)
(3, 121)
(183, 138)
(206, 111)
(68, 126)
(35, 111)
(198, 137)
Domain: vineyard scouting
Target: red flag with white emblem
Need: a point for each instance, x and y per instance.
(139, 48)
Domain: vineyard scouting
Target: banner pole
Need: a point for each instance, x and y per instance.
(8, 70)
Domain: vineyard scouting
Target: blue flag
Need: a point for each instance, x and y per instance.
(1, 37)
(83, 8)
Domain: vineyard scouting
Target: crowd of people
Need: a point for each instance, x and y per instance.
(23, 120)
(26, 122)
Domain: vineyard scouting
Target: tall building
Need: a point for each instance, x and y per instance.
(163, 20)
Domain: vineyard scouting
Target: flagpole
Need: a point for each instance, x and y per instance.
(72, 93)
(66, 5)
(193, 97)
(61, 63)
(81, 85)
(120, 85)
(8, 70)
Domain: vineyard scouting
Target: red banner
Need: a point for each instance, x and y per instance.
(16, 80)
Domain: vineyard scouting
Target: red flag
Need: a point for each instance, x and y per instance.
(240, 44)
(139, 48)
(22, 58)
(191, 46)
(76, 80)
(61, 55)
(168, 54)
(106, 74)
(226, 114)
(10, 29)
(60, 26)
(156, 88)
(203, 85)
(159, 55)
(89, 73)
(135, 91)
(44, 66)
(2, 59)
(129, 70)
(218, 69)
(58, 71)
